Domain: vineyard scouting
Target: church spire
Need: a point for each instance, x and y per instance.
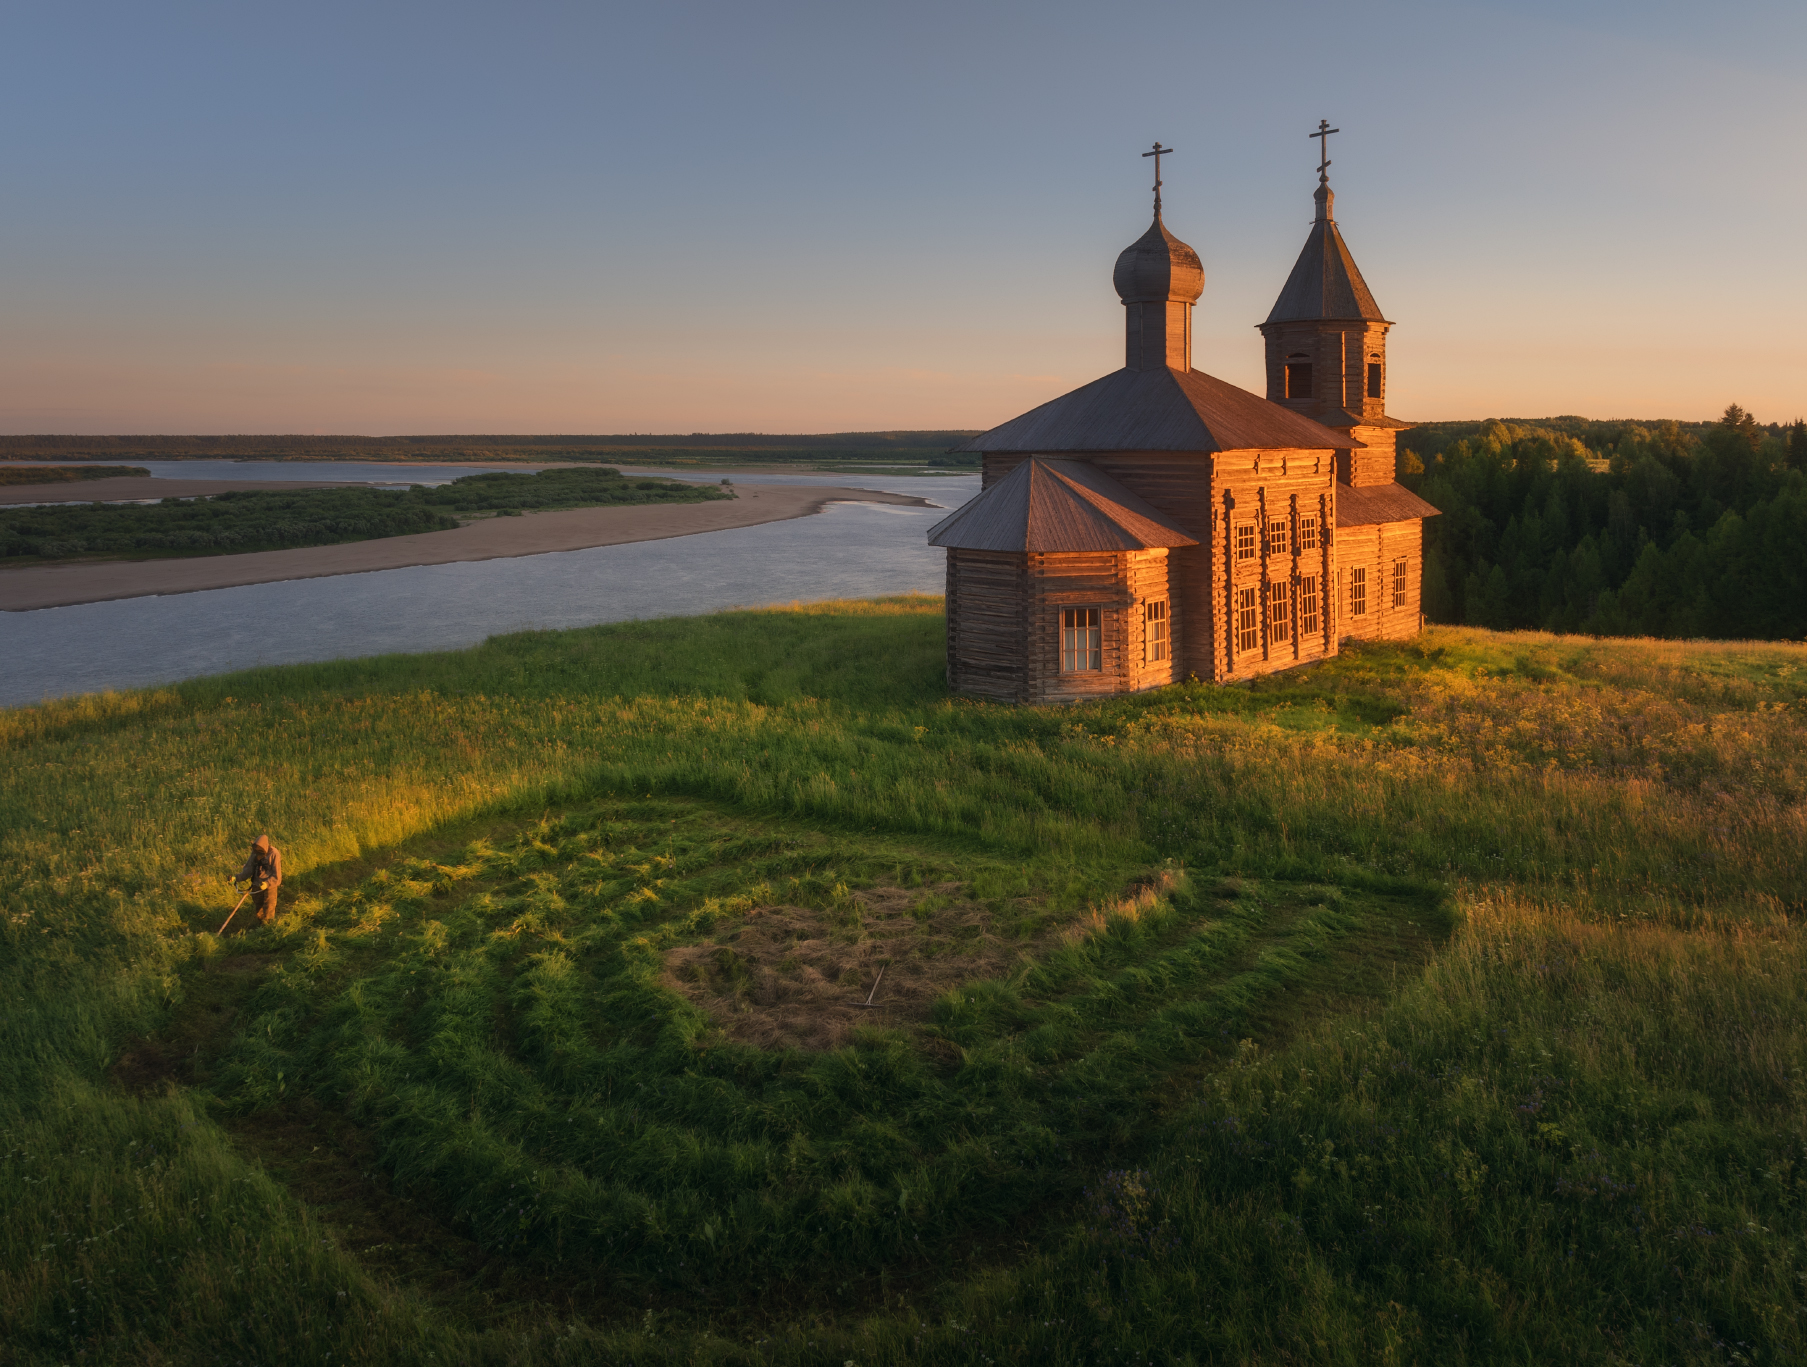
(1159, 278)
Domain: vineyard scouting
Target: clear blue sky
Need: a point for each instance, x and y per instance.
(684, 217)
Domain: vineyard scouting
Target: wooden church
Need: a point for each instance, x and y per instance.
(1159, 523)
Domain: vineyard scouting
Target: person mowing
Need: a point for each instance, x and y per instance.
(264, 869)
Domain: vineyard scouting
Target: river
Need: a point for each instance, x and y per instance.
(849, 550)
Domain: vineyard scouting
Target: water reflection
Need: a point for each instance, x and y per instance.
(850, 550)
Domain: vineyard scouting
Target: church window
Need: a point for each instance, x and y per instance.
(1278, 604)
(1298, 379)
(1154, 635)
(1373, 379)
(1081, 640)
(1308, 605)
(1308, 533)
(1279, 536)
(1358, 591)
(1245, 540)
(1248, 620)
(1399, 582)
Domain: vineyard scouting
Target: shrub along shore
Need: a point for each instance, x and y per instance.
(260, 521)
(1439, 1003)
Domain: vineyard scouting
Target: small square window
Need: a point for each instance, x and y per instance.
(1358, 591)
(1154, 632)
(1308, 605)
(1279, 536)
(1245, 541)
(1248, 620)
(1308, 533)
(1400, 580)
(1081, 641)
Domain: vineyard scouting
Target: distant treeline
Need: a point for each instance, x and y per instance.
(1616, 529)
(696, 447)
(257, 521)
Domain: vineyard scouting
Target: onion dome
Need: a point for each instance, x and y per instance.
(1158, 266)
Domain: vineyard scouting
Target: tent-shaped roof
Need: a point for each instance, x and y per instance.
(1325, 283)
(1370, 504)
(1053, 506)
(1159, 410)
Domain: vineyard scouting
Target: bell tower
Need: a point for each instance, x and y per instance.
(1327, 343)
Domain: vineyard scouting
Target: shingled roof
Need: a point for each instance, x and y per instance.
(1325, 282)
(1161, 409)
(1370, 504)
(1055, 506)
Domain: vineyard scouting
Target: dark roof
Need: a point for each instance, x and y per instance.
(1057, 506)
(1370, 504)
(1324, 282)
(1159, 410)
(1157, 265)
(1342, 417)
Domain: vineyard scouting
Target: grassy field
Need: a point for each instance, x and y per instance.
(1441, 1003)
(254, 520)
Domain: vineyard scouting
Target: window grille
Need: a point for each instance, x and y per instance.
(1279, 536)
(1081, 640)
(1308, 605)
(1358, 591)
(1308, 533)
(1279, 601)
(1245, 541)
(1248, 620)
(1399, 582)
(1154, 634)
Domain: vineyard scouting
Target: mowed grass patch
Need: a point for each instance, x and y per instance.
(504, 1025)
(1640, 802)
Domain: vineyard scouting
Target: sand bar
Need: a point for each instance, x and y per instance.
(133, 487)
(495, 538)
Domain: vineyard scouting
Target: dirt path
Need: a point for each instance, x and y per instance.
(496, 538)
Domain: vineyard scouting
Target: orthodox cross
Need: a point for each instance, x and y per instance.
(1323, 137)
(1157, 154)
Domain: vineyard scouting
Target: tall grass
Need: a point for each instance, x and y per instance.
(1619, 822)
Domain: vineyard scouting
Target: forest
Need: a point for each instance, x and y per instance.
(1616, 529)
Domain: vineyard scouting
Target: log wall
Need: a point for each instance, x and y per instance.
(1376, 549)
(987, 624)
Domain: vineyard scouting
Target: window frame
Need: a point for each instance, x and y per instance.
(1081, 636)
(1283, 545)
(1245, 539)
(1401, 580)
(1358, 590)
(1308, 532)
(1248, 620)
(1308, 605)
(1375, 379)
(1279, 612)
(1298, 378)
(1157, 632)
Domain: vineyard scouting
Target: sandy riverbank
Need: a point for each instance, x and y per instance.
(49, 586)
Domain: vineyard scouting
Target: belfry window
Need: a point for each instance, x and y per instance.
(1373, 379)
(1298, 377)
(1154, 632)
(1081, 640)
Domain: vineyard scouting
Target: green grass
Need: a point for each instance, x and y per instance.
(1457, 1019)
(250, 520)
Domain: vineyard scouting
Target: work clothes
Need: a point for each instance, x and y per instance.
(264, 869)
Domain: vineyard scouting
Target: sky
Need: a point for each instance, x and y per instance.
(800, 217)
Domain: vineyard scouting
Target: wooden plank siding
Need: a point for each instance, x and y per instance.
(987, 624)
(1376, 548)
